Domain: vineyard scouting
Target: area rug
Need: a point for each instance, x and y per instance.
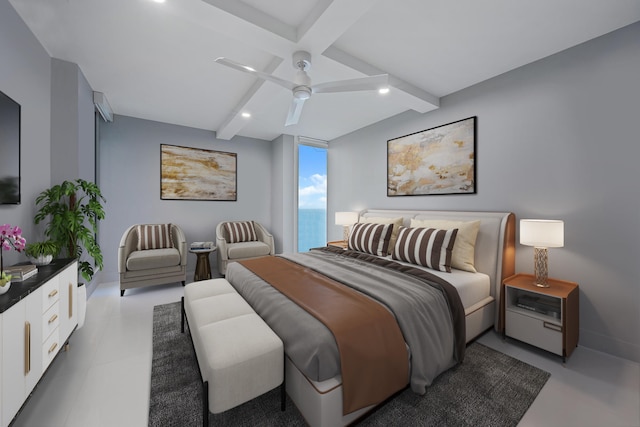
(488, 388)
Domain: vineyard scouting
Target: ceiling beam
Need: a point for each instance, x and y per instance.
(234, 121)
(325, 23)
(419, 100)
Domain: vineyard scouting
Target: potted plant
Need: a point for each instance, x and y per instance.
(73, 209)
(41, 253)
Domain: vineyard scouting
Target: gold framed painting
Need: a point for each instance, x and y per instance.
(197, 174)
(440, 160)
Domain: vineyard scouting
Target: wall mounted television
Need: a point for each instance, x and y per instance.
(9, 151)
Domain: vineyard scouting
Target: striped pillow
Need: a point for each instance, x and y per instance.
(370, 238)
(154, 236)
(428, 247)
(240, 231)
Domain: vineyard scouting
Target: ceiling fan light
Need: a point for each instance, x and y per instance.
(302, 93)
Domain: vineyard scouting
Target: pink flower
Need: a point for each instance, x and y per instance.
(11, 237)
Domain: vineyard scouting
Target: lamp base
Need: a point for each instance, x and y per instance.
(541, 285)
(540, 267)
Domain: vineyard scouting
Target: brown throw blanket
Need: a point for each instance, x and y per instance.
(373, 357)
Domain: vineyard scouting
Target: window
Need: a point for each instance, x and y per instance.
(312, 194)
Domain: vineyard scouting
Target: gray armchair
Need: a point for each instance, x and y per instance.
(139, 268)
(228, 252)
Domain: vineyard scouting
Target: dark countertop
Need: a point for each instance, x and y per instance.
(19, 290)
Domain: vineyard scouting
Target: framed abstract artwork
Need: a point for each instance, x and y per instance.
(440, 160)
(196, 174)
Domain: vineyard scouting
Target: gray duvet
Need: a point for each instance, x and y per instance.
(421, 307)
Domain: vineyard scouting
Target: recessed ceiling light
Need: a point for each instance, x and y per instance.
(246, 114)
(383, 90)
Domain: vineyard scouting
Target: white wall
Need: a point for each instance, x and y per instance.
(555, 139)
(130, 181)
(25, 76)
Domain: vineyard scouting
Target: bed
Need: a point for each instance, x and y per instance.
(314, 379)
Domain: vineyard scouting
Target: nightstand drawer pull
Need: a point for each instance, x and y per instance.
(53, 293)
(552, 326)
(53, 318)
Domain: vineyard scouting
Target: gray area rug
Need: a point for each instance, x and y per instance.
(488, 389)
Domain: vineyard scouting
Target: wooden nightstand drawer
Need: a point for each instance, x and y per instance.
(543, 334)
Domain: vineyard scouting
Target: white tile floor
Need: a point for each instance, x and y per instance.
(103, 380)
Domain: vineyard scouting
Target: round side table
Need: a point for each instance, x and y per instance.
(203, 268)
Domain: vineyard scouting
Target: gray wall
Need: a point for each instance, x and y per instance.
(555, 139)
(25, 76)
(72, 124)
(130, 181)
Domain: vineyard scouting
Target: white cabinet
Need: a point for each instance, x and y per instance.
(21, 353)
(37, 317)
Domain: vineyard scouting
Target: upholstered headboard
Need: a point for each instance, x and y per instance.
(495, 244)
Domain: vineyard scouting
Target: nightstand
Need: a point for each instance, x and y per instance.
(338, 244)
(547, 318)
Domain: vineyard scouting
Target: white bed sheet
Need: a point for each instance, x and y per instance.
(472, 287)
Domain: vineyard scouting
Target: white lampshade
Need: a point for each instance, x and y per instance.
(346, 218)
(542, 233)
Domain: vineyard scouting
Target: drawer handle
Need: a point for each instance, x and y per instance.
(552, 326)
(53, 293)
(53, 318)
(27, 347)
(70, 300)
(53, 347)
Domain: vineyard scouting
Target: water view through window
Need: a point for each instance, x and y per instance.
(312, 197)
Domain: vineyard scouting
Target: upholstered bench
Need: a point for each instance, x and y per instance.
(239, 356)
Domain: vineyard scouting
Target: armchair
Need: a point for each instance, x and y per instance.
(153, 258)
(241, 245)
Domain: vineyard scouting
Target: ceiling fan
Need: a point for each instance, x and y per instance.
(301, 86)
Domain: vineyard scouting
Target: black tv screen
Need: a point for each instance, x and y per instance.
(9, 150)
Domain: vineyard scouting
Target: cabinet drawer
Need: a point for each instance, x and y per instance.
(50, 294)
(545, 335)
(50, 320)
(50, 348)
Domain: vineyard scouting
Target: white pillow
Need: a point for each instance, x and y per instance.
(397, 223)
(465, 244)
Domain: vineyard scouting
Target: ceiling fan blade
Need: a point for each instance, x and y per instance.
(247, 69)
(352, 85)
(294, 112)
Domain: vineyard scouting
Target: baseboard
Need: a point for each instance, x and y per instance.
(610, 345)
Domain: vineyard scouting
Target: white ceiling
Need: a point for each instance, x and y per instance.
(156, 61)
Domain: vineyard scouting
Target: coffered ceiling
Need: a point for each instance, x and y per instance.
(157, 60)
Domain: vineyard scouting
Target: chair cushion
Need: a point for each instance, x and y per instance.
(247, 250)
(154, 236)
(153, 258)
(240, 231)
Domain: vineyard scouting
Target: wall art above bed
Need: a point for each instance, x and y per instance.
(196, 174)
(440, 160)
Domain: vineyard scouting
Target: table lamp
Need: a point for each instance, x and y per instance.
(346, 219)
(541, 234)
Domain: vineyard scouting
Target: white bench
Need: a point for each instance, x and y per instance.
(239, 356)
